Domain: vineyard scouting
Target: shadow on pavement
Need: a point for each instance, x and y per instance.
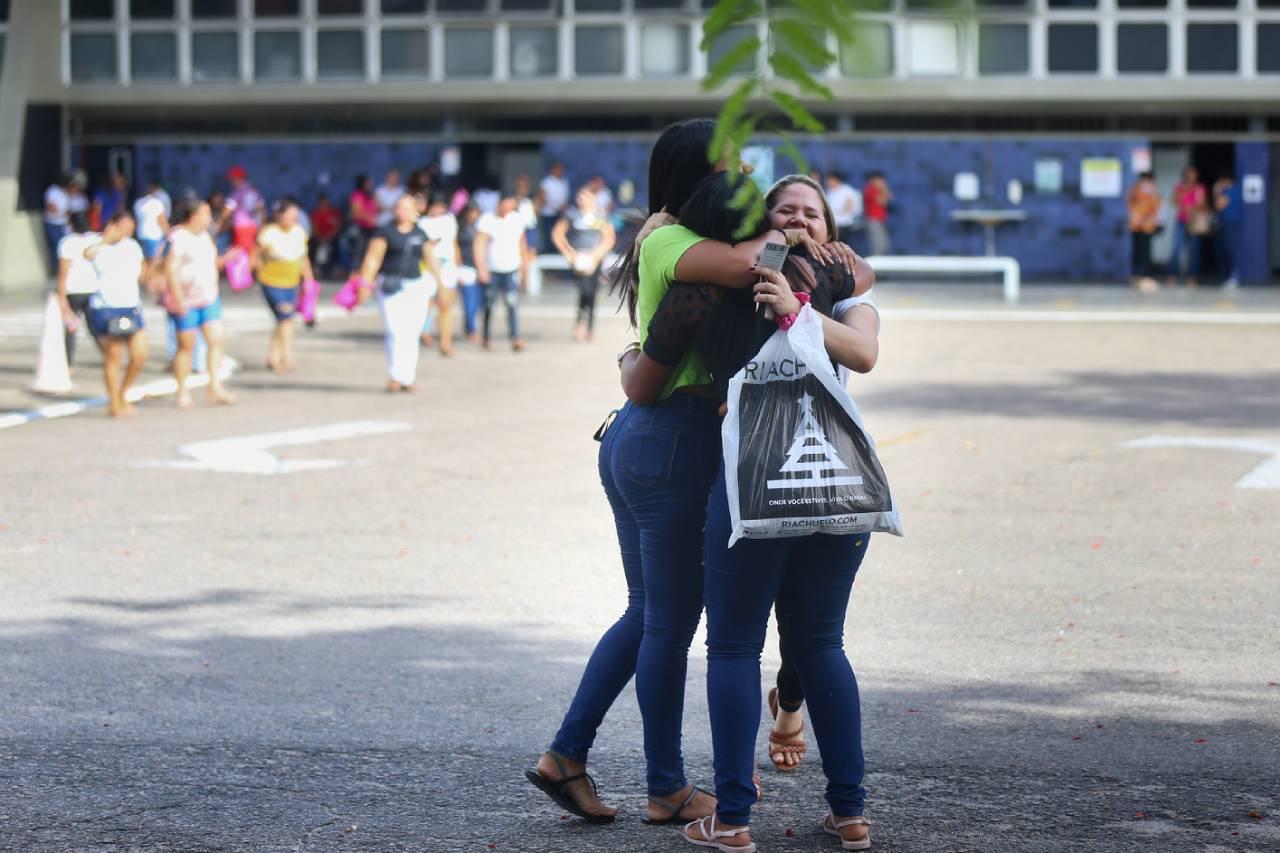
(1226, 400)
(251, 720)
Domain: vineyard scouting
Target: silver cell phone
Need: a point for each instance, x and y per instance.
(771, 258)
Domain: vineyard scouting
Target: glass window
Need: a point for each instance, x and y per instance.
(1268, 4)
(339, 7)
(1212, 48)
(276, 8)
(776, 42)
(1073, 48)
(92, 10)
(93, 57)
(1142, 4)
(468, 52)
(664, 50)
(597, 50)
(340, 54)
(535, 52)
(598, 5)
(1142, 48)
(933, 48)
(214, 8)
(151, 9)
(726, 42)
(277, 55)
(658, 5)
(1003, 49)
(153, 56)
(1269, 48)
(1002, 4)
(404, 7)
(529, 6)
(871, 54)
(215, 57)
(932, 5)
(404, 53)
(1, 54)
(871, 5)
(4, 10)
(463, 7)
(1073, 4)
(1211, 4)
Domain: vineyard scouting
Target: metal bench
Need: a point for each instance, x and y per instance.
(555, 262)
(1005, 266)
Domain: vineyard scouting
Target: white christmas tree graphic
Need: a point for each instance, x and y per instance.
(811, 457)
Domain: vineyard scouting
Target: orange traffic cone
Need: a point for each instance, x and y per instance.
(52, 373)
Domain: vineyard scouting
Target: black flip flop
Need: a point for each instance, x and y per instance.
(677, 812)
(554, 788)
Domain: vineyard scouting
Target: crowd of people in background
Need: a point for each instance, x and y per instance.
(428, 249)
(1197, 216)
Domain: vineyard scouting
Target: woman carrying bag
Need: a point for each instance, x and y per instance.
(115, 309)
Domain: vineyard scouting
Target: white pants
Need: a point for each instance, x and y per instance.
(403, 314)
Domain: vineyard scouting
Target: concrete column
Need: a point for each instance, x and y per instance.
(34, 36)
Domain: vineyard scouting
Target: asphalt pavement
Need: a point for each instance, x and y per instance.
(363, 641)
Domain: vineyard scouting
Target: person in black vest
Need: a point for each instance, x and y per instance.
(584, 236)
(398, 254)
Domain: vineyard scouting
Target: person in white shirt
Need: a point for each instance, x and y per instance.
(528, 211)
(387, 195)
(500, 264)
(604, 196)
(193, 302)
(77, 279)
(441, 226)
(151, 212)
(57, 208)
(552, 200)
(115, 309)
(846, 204)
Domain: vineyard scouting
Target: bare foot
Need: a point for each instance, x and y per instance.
(184, 401)
(518, 345)
(700, 806)
(580, 791)
(579, 332)
(124, 410)
(289, 365)
(427, 340)
(446, 352)
(222, 398)
(393, 386)
(409, 389)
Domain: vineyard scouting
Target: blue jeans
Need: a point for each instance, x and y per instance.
(472, 301)
(1184, 239)
(52, 235)
(656, 464)
(811, 578)
(506, 284)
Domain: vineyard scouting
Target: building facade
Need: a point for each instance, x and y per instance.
(1054, 96)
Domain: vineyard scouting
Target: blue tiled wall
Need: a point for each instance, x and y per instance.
(1065, 236)
(277, 169)
(1252, 158)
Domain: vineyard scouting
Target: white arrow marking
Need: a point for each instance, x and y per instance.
(249, 454)
(1265, 476)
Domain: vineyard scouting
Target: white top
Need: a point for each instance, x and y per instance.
(281, 245)
(82, 278)
(119, 267)
(555, 193)
(837, 313)
(846, 204)
(78, 203)
(524, 207)
(504, 240)
(148, 210)
(60, 200)
(604, 201)
(444, 230)
(387, 197)
(196, 260)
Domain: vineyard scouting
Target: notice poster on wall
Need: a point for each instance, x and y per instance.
(966, 187)
(1101, 177)
(1140, 160)
(1048, 177)
(450, 160)
(1253, 190)
(760, 159)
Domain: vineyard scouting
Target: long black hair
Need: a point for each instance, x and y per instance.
(677, 163)
(710, 211)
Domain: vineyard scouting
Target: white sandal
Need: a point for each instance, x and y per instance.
(709, 831)
(831, 826)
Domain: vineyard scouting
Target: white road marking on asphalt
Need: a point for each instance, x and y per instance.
(1265, 476)
(158, 388)
(248, 454)
(1018, 315)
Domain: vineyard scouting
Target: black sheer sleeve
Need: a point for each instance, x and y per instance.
(682, 317)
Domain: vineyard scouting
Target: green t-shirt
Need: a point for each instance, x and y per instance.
(659, 254)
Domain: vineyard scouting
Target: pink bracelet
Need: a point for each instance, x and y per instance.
(786, 321)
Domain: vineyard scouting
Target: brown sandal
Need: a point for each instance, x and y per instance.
(786, 743)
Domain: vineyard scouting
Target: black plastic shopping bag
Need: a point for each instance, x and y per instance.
(797, 457)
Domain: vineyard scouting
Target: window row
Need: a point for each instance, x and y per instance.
(933, 48)
(105, 10)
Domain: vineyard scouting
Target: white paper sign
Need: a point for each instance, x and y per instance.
(966, 186)
(1253, 190)
(1101, 177)
(450, 160)
(1140, 160)
(760, 159)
